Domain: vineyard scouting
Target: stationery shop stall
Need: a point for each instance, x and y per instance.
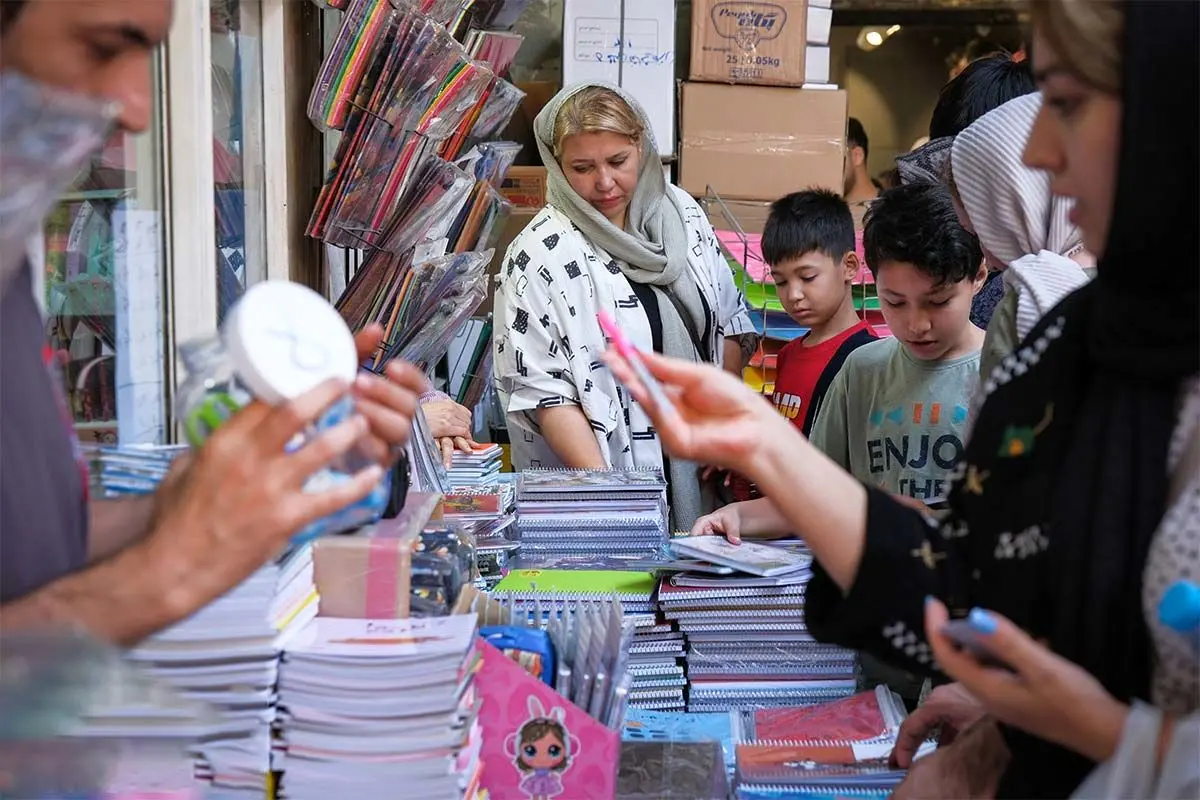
(466, 631)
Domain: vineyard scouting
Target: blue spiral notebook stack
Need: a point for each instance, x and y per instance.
(748, 645)
(567, 516)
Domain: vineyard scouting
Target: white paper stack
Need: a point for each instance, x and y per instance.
(227, 655)
(380, 708)
(481, 467)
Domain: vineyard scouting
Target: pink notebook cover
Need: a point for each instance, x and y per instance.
(854, 719)
(536, 744)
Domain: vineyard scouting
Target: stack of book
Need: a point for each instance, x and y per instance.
(748, 645)
(486, 513)
(656, 658)
(380, 708)
(134, 469)
(612, 514)
(479, 468)
(227, 656)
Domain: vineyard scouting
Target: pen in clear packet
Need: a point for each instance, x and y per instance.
(628, 352)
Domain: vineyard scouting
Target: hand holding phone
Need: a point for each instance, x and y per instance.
(966, 634)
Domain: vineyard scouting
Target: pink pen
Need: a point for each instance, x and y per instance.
(630, 354)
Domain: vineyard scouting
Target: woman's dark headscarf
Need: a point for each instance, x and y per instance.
(1073, 441)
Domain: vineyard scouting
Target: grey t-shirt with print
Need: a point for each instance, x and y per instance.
(896, 422)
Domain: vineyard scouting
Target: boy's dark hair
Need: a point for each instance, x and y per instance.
(801, 222)
(916, 224)
(985, 85)
(856, 136)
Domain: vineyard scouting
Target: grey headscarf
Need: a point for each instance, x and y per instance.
(652, 250)
(654, 246)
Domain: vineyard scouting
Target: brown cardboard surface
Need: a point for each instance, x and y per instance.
(756, 142)
(516, 223)
(525, 187)
(741, 41)
(520, 128)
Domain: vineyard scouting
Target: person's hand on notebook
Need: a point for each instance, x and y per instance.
(1040, 692)
(713, 418)
(725, 522)
(388, 403)
(448, 444)
(970, 766)
(447, 419)
(949, 707)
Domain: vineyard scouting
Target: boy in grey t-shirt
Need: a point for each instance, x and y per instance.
(894, 416)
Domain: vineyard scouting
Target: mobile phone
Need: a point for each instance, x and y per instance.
(630, 354)
(967, 638)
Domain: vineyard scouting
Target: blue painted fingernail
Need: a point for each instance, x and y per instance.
(981, 621)
(929, 599)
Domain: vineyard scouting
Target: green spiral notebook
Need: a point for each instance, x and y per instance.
(565, 583)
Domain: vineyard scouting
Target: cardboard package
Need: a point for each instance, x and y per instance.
(525, 187)
(630, 43)
(368, 575)
(760, 143)
(775, 43)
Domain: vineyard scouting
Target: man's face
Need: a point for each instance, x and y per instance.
(100, 48)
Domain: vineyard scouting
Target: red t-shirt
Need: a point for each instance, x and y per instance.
(798, 370)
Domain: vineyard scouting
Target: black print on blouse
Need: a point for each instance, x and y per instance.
(522, 370)
(557, 374)
(572, 269)
(546, 276)
(552, 402)
(587, 385)
(626, 450)
(596, 426)
(628, 422)
(545, 320)
(595, 365)
(512, 264)
(540, 223)
(522, 260)
(612, 267)
(551, 241)
(528, 437)
(631, 302)
(519, 288)
(521, 321)
(500, 345)
(648, 435)
(553, 350)
(566, 344)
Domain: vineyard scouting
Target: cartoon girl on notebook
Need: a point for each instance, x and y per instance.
(542, 751)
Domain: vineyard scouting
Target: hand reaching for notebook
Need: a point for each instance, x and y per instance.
(949, 707)
(713, 418)
(447, 419)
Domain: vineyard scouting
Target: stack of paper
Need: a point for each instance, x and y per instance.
(618, 514)
(380, 708)
(227, 656)
(479, 468)
(134, 469)
(748, 645)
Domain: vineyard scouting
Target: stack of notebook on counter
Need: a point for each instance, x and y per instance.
(486, 513)
(747, 642)
(380, 708)
(226, 655)
(569, 515)
(656, 650)
(133, 469)
(480, 467)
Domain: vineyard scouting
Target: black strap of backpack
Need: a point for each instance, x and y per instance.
(830, 372)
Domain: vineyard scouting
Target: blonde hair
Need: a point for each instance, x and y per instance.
(595, 110)
(1087, 35)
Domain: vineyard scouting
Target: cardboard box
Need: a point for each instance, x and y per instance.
(755, 142)
(630, 43)
(525, 187)
(760, 43)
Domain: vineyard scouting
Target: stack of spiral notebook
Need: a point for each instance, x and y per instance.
(380, 708)
(479, 468)
(133, 469)
(656, 650)
(747, 642)
(226, 655)
(565, 514)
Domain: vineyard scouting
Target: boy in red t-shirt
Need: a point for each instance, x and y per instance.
(809, 244)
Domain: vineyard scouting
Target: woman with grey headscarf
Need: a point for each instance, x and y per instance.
(1025, 231)
(614, 237)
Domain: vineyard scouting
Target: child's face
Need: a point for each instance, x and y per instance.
(544, 753)
(931, 320)
(812, 287)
